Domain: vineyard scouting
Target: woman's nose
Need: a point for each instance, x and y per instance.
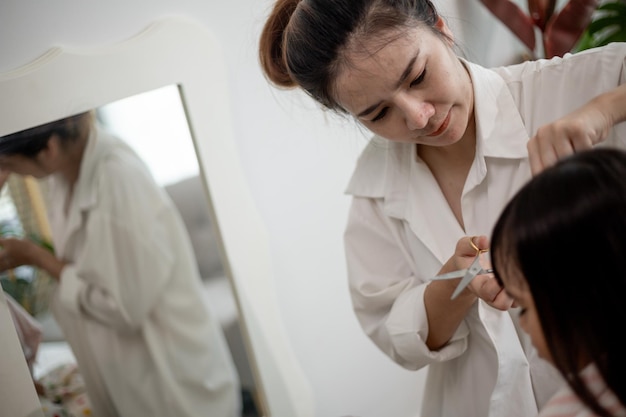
(417, 114)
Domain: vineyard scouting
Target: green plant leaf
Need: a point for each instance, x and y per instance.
(619, 36)
(618, 6)
(608, 25)
(605, 23)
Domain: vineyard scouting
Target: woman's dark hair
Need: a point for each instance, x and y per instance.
(30, 142)
(565, 232)
(302, 41)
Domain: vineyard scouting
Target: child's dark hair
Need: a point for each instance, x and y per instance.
(563, 237)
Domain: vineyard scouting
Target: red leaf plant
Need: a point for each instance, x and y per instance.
(559, 30)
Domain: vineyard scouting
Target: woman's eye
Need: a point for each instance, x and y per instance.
(415, 82)
(380, 115)
(419, 79)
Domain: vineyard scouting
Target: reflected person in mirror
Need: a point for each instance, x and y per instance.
(558, 250)
(129, 296)
(452, 142)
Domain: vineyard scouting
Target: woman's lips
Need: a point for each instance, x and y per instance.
(443, 126)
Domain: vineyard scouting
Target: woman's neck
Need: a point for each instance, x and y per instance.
(450, 166)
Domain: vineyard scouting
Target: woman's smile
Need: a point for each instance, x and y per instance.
(442, 127)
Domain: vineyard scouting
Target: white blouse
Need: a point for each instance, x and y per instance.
(401, 231)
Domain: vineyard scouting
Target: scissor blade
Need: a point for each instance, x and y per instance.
(451, 275)
(472, 271)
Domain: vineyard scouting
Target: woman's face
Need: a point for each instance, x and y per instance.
(410, 89)
(528, 318)
(22, 165)
(52, 158)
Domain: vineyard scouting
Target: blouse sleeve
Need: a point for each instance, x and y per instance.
(120, 274)
(125, 256)
(546, 90)
(387, 297)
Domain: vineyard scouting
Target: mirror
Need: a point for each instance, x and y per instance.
(179, 54)
(147, 122)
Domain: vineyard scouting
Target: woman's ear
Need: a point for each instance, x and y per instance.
(443, 27)
(50, 153)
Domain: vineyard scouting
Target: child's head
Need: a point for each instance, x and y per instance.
(559, 249)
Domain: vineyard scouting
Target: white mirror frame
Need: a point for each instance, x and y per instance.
(66, 81)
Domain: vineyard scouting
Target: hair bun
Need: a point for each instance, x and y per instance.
(271, 44)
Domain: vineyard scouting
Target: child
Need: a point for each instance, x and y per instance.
(558, 249)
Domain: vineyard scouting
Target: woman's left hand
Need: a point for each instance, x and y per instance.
(578, 130)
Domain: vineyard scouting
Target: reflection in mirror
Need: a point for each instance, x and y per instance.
(155, 126)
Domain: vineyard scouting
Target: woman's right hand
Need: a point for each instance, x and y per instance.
(483, 286)
(444, 314)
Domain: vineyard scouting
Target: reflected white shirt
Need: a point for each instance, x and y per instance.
(130, 300)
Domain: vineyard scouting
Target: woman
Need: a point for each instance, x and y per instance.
(568, 306)
(129, 297)
(452, 142)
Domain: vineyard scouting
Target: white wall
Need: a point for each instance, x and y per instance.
(297, 160)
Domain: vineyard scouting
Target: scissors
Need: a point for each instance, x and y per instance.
(468, 274)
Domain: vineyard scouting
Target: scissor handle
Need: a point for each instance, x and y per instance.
(475, 268)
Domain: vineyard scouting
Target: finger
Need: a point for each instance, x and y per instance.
(468, 246)
(533, 156)
(481, 242)
(502, 301)
(488, 288)
(465, 247)
(541, 153)
(563, 149)
(582, 143)
(547, 153)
